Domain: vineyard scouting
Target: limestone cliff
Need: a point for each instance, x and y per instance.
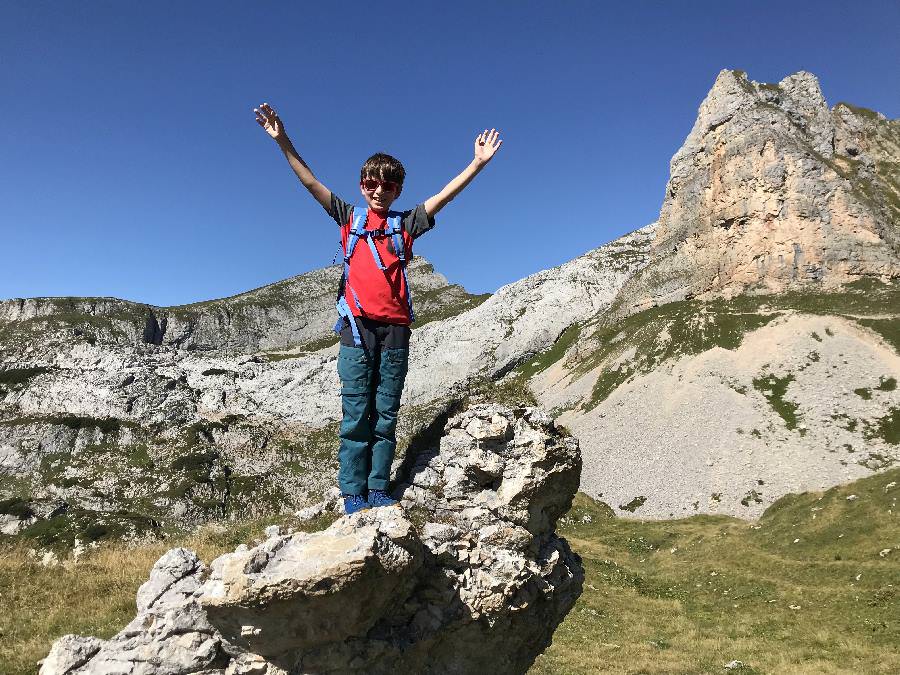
(771, 190)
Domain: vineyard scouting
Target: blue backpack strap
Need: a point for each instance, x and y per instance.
(357, 230)
(374, 250)
(396, 231)
(344, 313)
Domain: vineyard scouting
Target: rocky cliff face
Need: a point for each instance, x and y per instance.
(467, 575)
(771, 190)
(288, 314)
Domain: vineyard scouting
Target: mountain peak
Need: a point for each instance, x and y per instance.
(773, 189)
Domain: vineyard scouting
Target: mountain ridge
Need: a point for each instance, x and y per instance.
(205, 426)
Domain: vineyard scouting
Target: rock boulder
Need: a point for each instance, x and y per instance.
(465, 575)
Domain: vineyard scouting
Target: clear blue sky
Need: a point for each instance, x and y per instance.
(132, 166)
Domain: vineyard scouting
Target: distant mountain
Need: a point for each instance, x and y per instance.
(755, 354)
(295, 312)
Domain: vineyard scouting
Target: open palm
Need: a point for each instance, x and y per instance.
(268, 119)
(487, 144)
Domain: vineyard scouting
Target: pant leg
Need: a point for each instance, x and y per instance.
(356, 373)
(389, 379)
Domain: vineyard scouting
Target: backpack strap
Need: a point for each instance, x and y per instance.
(395, 229)
(344, 313)
(357, 230)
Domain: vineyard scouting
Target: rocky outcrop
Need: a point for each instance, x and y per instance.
(467, 575)
(169, 635)
(770, 190)
(292, 313)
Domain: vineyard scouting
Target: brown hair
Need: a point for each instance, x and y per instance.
(383, 167)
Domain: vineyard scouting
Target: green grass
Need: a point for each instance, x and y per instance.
(887, 384)
(689, 596)
(773, 389)
(889, 329)
(550, 356)
(887, 428)
(14, 376)
(804, 590)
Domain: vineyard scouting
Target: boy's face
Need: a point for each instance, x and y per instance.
(379, 194)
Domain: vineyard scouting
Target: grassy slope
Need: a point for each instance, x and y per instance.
(725, 593)
(689, 596)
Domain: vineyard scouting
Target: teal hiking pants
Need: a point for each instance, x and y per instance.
(372, 380)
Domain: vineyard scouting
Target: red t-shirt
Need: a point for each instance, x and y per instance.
(382, 293)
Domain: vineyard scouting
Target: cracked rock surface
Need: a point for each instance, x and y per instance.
(465, 575)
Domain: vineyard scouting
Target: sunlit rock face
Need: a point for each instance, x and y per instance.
(465, 575)
(772, 189)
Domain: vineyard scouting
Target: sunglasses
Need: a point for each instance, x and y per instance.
(371, 184)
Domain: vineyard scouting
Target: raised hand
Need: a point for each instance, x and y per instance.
(268, 119)
(486, 145)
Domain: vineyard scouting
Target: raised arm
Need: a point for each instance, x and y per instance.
(486, 145)
(268, 119)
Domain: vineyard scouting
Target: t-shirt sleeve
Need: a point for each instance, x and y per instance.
(340, 210)
(417, 222)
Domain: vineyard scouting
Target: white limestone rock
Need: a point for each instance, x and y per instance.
(470, 578)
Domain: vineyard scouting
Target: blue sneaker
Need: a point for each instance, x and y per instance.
(379, 498)
(354, 503)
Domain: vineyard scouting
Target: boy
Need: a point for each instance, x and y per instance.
(374, 304)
